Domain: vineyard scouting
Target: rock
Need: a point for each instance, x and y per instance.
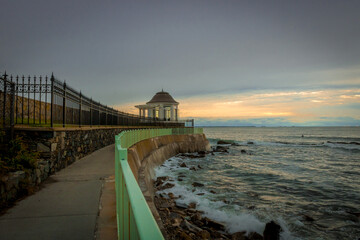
(196, 184)
(42, 148)
(183, 165)
(243, 151)
(212, 191)
(196, 217)
(223, 142)
(171, 195)
(255, 236)
(181, 205)
(238, 236)
(214, 224)
(235, 144)
(203, 234)
(201, 152)
(199, 166)
(192, 205)
(200, 194)
(272, 231)
(184, 236)
(221, 149)
(180, 179)
(166, 186)
(193, 169)
(175, 222)
(53, 147)
(308, 218)
(188, 226)
(249, 143)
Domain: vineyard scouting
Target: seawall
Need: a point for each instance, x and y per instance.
(144, 156)
(57, 148)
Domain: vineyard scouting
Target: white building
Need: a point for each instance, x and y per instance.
(161, 107)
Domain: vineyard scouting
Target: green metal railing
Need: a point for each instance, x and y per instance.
(134, 218)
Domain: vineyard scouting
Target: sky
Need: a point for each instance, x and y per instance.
(228, 63)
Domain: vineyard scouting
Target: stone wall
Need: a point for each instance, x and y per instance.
(144, 156)
(57, 149)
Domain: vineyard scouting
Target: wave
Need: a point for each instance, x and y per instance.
(346, 145)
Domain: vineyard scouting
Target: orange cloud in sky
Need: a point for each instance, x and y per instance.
(297, 105)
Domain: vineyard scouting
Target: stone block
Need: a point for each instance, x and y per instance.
(42, 148)
(53, 147)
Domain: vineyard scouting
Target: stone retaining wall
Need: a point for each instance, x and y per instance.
(144, 156)
(57, 149)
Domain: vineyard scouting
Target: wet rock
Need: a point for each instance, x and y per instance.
(199, 166)
(272, 231)
(180, 179)
(166, 186)
(196, 184)
(171, 195)
(243, 151)
(212, 191)
(192, 205)
(238, 236)
(308, 218)
(188, 226)
(226, 201)
(223, 142)
(181, 205)
(193, 169)
(201, 152)
(203, 234)
(196, 217)
(249, 143)
(255, 236)
(175, 222)
(183, 165)
(200, 194)
(214, 224)
(221, 149)
(235, 144)
(184, 236)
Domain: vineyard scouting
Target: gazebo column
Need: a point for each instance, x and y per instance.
(140, 112)
(172, 113)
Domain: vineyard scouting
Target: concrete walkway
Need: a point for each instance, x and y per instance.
(66, 207)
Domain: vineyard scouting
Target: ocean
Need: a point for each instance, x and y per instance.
(307, 179)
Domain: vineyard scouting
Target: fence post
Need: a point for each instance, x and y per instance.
(91, 112)
(22, 100)
(64, 105)
(4, 102)
(52, 101)
(40, 100)
(80, 110)
(12, 92)
(17, 98)
(34, 99)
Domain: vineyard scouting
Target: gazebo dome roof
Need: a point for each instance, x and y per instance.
(162, 97)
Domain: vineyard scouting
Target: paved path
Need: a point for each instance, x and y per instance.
(66, 207)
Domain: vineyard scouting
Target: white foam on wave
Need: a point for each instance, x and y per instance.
(229, 215)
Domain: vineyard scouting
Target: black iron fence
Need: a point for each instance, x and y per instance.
(46, 101)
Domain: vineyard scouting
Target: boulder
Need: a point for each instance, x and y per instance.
(272, 231)
(224, 142)
(213, 224)
(196, 184)
(183, 165)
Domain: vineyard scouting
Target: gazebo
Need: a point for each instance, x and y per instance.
(162, 106)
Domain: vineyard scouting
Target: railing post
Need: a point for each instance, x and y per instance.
(34, 114)
(91, 118)
(64, 105)
(4, 102)
(12, 94)
(52, 101)
(22, 100)
(16, 99)
(80, 109)
(40, 100)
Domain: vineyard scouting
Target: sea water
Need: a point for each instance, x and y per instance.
(307, 179)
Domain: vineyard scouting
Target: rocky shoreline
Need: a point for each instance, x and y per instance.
(182, 221)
